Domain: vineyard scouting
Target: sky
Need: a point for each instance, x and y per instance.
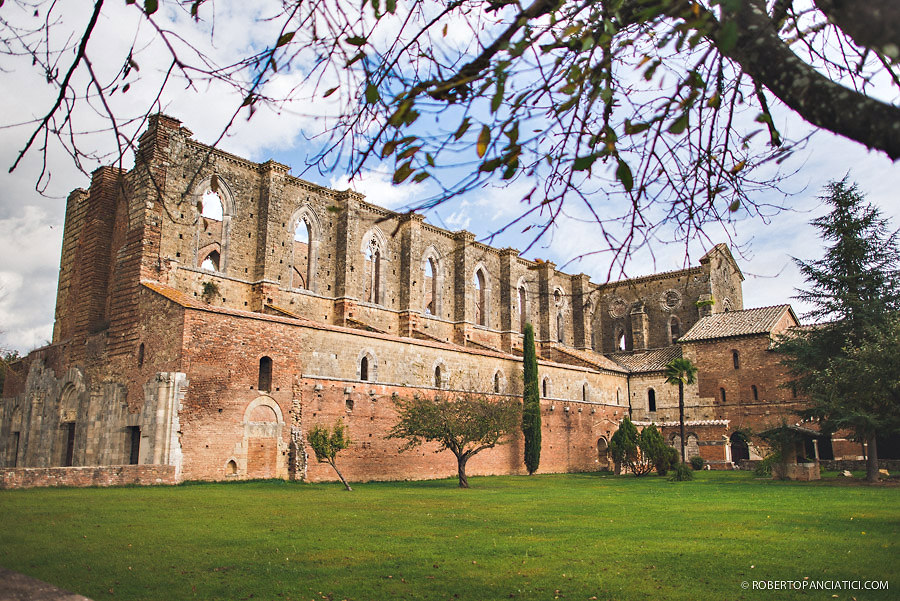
(31, 224)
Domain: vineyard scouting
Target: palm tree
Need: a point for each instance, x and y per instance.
(681, 371)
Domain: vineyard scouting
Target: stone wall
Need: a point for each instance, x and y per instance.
(263, 206)
(109, 475)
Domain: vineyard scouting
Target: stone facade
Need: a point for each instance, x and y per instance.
(211, 310)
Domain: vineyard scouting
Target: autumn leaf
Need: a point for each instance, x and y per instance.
(483, 140)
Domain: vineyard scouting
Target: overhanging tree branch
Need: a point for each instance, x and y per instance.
(820, 101)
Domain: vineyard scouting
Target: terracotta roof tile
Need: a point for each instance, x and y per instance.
(583, 357)
(647, 361)
(736, 323)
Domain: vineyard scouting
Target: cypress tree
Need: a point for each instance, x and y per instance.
(531, 404)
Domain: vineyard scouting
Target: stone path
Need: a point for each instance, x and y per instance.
(19, 587)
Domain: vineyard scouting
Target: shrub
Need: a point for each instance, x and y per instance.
(697, 462)
(210, 291)
(680, 473)
(764, 467)
(623, 444)
(668, 458)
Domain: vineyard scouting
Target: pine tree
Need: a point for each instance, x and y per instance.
(855, 292)
(531, 409)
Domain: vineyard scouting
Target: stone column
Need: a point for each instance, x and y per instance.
(411, 274)
(160, 419)
(545, 301)
(509, 299)
(640, 327)
(463, 303)
(581, 310)
(346, 254)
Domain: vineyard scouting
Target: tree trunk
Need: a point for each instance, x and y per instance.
(681, 417)
(461, 470)
(872, 458)
(346, 485)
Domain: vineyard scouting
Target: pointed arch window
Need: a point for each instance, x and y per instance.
(373, 272)
(302, 267)
(523, 315)
(560, 331)
(437, 376)
(545, 388)
(480, 298)
(212, 226)
(651, 399)
(497, 382)
(620, 340)
(211, 261)
(431, 287)
(674, 329)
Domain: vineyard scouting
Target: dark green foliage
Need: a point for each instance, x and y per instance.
(667, 459)
(465, 425)
(764, 468)
(623, 444)
(210, 291)
(531, 405)
(848, 365)
(697, 462)
(640, 452)
(654, 450)
(681, 472)
(326, 444)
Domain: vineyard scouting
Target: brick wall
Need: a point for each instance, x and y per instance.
(758, 366)
(110, 475)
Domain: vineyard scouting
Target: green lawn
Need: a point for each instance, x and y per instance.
(540, 537)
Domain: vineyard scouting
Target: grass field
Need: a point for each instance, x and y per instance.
(541, 537)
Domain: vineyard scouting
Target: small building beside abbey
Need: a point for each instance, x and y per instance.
(212, 310)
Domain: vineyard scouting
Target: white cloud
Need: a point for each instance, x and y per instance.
(30, 244)
(378, 188)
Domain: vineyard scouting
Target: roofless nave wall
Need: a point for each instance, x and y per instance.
(210, 310)
(271, 241)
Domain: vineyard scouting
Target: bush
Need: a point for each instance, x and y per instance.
(697, 462)
(681, 473)
(764, 467)
(667, 459)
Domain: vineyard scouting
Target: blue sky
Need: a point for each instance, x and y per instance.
(31, 224)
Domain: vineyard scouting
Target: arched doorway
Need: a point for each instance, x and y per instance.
(739, 447)
(603, 453)
(262, 433)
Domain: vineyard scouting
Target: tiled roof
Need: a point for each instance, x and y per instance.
(187, 301)
(693, 422)
(647, 361)
(582, 357)
(736, 323)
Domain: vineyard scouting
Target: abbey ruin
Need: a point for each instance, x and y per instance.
(211, 310)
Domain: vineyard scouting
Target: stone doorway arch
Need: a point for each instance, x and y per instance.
(603, 453)
(262, 440)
